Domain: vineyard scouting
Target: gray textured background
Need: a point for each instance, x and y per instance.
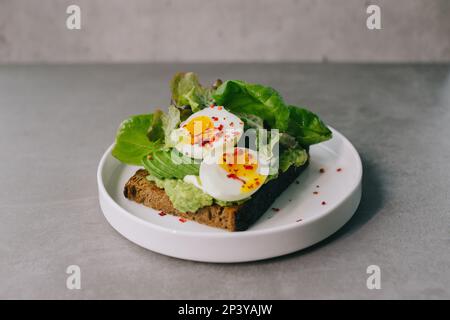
(57, 121)
(217, 30)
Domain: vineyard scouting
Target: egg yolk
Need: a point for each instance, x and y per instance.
(242, 166)
(200, 129)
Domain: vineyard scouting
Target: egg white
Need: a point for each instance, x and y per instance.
(214, 181)
(228, 129)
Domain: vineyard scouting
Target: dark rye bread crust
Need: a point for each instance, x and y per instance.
(232, 218)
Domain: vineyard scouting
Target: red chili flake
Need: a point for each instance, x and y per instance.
(324, 203)
(322, 170)
(276, 209)
(235, 177)
(248, 167)
(231, 124)
(162, 214)
(215, 118)
(205, 142)
(257, 183)
(182, 220)
(315, 192)
(299, 220)
(230, 165)
(220, 127)
(339, 169)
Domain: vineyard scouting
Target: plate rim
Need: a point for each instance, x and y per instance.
(240, 234)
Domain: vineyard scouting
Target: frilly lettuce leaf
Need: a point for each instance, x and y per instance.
(288, 141)
(289, 157)
(187, 90)
(155, 131)
(132, 142)
(293, 156)
(258, 106)
(251, 121)
(170, 121)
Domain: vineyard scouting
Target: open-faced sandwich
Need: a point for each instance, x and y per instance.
(219, 155)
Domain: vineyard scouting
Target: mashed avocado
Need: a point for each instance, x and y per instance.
(184, 196)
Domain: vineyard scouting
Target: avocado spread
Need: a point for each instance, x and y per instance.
(184, 196)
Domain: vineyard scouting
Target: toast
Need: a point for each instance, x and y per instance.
(232, 218)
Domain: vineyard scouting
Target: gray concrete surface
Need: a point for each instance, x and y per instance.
(56, 122)
(217, 30)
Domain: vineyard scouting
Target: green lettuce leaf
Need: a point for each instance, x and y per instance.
(288, 141)
(307, 127)
(253, 101)
(242, 97)
(170, 121)
(187, 90)
(251, 121)
(132, 142)
(289, 157)
(155, 131)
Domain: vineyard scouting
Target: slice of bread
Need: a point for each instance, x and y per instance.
(232, 218)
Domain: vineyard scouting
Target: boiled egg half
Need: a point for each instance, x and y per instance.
(206, 130)
(231, 176)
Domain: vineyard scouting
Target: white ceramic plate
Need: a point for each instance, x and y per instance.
(309, 211)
